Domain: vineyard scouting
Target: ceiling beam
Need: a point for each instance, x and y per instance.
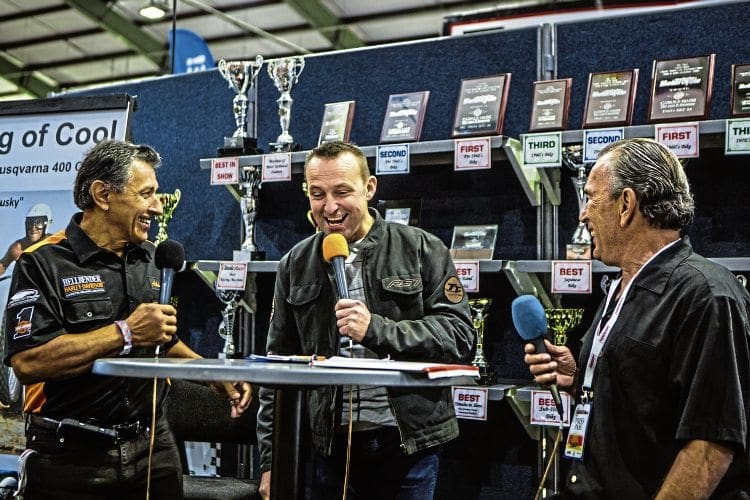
(26, 81)
(101, 12)
(327, 23)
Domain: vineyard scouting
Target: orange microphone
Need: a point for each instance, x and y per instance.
(335, 252)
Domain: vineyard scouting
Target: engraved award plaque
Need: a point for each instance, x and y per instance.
(549, 110)
(740, 90)
(479, 312)
(481, 106)
(610, 98)
(404, 117)
(240, 75)
(169, 202)
(474, 242)
(681, 89)
(405, 211)
(337, 122)
(285, 74)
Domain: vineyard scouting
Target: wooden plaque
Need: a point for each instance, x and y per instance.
(551, 101)
(681, 89)
(337, 122)
(610, 98)
(481, 106)
(404, 117)
(740, 90)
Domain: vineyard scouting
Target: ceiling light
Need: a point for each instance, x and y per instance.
(154, 9)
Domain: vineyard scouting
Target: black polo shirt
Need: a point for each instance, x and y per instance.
(675, 367)
(68, 285)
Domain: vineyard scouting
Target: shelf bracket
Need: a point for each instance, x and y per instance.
(526, 283)
(529, 177)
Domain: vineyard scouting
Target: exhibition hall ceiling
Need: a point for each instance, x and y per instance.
(55, 45)
(49, 46)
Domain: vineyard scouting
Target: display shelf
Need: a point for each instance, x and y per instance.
(710, 132)
(734, 264)
(522, 281)
(437, 153)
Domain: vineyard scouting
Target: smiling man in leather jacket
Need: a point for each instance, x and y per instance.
(405, 302)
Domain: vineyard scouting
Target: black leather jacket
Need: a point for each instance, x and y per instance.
(418, 314)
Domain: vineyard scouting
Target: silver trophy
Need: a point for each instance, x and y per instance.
(580, 244)
(285, 73)
(479, 314)
(230, 299)
(240, 75)
(250, 183)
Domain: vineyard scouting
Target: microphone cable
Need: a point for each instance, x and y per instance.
(550, 460)
(153, 431)
(348, 442)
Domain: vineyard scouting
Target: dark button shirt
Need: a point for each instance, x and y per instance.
(676, 367)
(68, 285)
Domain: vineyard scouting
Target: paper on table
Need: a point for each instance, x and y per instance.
(279, 358)
(433, 370)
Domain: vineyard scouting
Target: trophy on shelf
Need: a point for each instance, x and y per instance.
(479, 314)
(579, 247)
(169, 202)
(560, 321)
(230, 299)
(250, 179)
(240, 75)
(285, 73)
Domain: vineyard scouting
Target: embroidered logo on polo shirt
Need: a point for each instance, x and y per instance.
(89, 284)
(23, 323)
(26, 296)
(154, 282)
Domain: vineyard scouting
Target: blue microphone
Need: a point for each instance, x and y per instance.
(531, 324)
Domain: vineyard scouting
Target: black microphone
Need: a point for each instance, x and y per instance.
(170, 258)
(531, 323)
(335, 251)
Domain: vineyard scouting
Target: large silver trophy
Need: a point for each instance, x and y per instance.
(240, 75)
(580, 244)
(285, 73)
(250, 183)
(479, 315)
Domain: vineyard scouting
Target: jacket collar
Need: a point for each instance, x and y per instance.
(376, 233)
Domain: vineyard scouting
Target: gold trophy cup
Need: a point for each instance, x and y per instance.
(169, 202)
(479, 308)
(560, 321)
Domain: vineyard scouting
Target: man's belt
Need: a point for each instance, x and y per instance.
(73, 427)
